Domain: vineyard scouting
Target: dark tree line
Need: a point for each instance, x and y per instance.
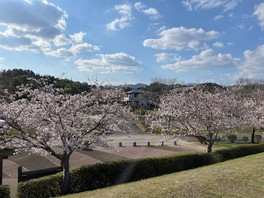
(10, 79)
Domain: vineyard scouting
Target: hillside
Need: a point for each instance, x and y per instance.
(243, 177)
(9, 79)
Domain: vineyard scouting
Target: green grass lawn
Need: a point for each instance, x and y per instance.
(226, 145)
(243, 177)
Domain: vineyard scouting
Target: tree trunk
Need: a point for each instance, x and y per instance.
(66, 174)
(253, 136)
(1, 169)
(209, 148)
(169, 123)
(210, 142)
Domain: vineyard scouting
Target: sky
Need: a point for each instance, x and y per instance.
(127, 41)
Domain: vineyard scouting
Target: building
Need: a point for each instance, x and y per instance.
(136, 98)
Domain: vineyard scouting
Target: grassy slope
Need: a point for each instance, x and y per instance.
(242, 177)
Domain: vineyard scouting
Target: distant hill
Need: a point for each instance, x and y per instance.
(137, 86)
(9, 79)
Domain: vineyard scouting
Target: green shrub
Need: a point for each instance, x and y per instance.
(112, 173)
(4, 191)
(108, 174)
(241, 151)
(49, 186)
(258, 138)
(232, 138)
(245, 139)
(97, 176)
(145, 126)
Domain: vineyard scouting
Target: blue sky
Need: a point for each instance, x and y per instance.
(123, 41)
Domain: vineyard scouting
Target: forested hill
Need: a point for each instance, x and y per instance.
(9, 79)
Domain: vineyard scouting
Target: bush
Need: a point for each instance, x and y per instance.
(241, 151)
(245, 139)
(258, 138)
(49, 186)
(145, 126)
(4, 191)
(112, 173)
(232, 138)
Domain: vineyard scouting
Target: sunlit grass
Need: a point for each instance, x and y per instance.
(243, 177)
(226, 145)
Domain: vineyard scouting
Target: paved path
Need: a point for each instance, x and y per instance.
(99, 155)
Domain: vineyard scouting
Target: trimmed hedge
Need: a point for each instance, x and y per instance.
(112, 173)
(232, 138)
(4, 191)
(48, 186)
(241, 151)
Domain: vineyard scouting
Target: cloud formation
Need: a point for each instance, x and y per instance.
(108, 63)
(252, 66)
(210, 4)
(167, 57)
(218, 17)
(29, 19)
(259, 13)
(218, 44)
(151, 12)
(78, 37)
(207, 59)
(181, 38)
(38, 26)
(125, 10)
(126, 15)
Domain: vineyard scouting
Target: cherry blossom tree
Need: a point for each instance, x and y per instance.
(203, 114)
(41, 119)
(253, 114)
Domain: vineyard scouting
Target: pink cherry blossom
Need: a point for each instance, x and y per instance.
(44, 118)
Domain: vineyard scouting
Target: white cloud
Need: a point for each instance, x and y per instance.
(230, 44)
(67, 53)
(218, 44)
(63, 53)
(252, 66)
(31, 18)
(61, 40)
(151, 12)
(259, 13)
(107, 63)
(83, 47)
(126, 16)
(38, 26)
(118, 24)
(26, 22)
(139, 6)
(78, 37)
(218, 17)
(125, 10)
(181, 38)
(205, 60)
(167, 57)
(210, 4)
(11, 42)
